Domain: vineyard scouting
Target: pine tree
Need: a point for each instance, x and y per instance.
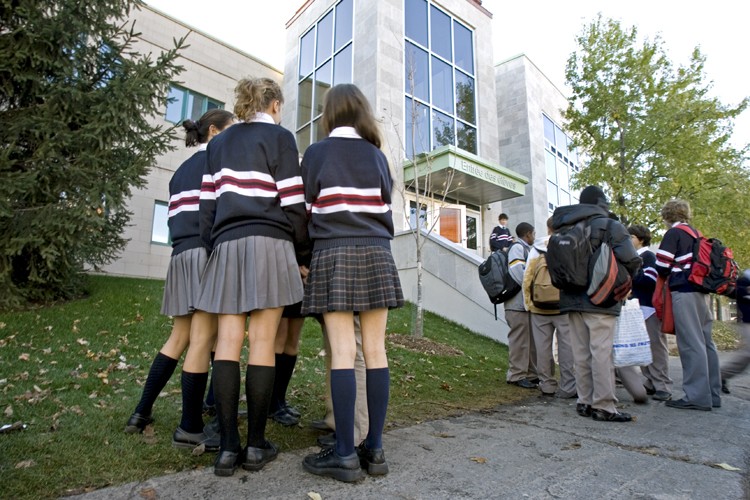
(77, 102)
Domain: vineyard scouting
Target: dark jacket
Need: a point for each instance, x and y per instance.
(602, 229)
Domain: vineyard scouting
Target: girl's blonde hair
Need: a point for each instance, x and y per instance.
(255, 95)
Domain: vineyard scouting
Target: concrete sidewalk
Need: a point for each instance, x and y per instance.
(538, 449)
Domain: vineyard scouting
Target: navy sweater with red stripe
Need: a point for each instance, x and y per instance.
(348, 193)
(674, 259)
(184, 195)
(252, 187)
(644, 282)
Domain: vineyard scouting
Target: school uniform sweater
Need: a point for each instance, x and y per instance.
(347, 192)
(252, 187)
(674, 258)
(184, 196)
(500, 238)
(644, 282)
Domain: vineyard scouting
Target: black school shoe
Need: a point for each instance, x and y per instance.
(137, 422)
(227, 462)
(292, 410)
(328, 463)
(373, 461)
(524, 383)
(281, 416)
(256, 458)
(605, 416)
(583, 410)
(184, 439)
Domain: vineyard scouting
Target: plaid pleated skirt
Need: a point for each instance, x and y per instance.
(255, 272)
(352, 278)
(182, 287)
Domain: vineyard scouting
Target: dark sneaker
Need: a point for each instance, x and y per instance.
(684, 404)
(291, 410)
(605, 416)
(184, 439)
(661, 396)
(649, 390)
(329, 463)
(281, 416)
(560, 394)
(373, 461)
(725, 386)
(583, 410)
(257, 458)
(137, 422)
(524, 383)
(227, 462)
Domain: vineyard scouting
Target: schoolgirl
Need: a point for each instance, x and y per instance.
(253, 216)
(348, 194)
(182, 288)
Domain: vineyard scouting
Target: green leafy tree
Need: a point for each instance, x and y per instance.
(77, 102)
(652, 132)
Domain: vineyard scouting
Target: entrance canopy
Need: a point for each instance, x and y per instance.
(463, 176)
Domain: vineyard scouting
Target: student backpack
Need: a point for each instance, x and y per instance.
(609, 281)
(544, 294)
(713, 269)
(496, 280)
(568, 254)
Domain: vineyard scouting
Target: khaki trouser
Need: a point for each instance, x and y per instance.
(657, 373)
(361, 418)
(521, 349)
(543, 328)
(592, 337)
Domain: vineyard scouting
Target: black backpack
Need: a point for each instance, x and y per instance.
(496, 279)
(568, 255)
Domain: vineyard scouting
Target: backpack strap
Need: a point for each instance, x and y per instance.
(689, 230)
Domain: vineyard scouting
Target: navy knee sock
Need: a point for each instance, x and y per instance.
(258, 386)
(378, 387)
(344, 395)
(284, 370)
(161, 371)
(193, 387)
(227, 391)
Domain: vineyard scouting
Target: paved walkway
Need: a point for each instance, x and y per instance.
(539, 449)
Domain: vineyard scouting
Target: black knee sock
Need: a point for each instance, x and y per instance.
(284, 370)
(193, 387)
(344, 395)
(227, 391)
(378, 386)
(161, 371)
(210, 401)
(258, 386)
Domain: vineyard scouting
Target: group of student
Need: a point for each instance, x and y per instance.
(257, 234)
(585, 331)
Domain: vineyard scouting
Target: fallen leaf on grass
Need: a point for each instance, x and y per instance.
(479, 460)
(446, 387)
(8, 412)
(25, 464)
(725, 466)
(314, 495)
(24, 356)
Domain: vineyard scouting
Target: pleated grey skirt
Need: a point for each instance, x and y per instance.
(182, 288)
(352, 278)
(255, 272)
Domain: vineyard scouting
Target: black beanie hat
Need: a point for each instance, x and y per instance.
(593, 195)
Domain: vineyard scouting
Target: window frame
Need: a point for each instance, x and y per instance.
(186, 107)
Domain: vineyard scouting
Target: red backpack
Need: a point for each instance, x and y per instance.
(714, 269)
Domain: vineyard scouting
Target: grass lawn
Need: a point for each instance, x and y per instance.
(73, 373)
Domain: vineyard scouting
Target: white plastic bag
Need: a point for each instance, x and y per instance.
(632, 346)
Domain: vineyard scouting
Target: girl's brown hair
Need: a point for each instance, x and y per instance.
(255, 95)
(346, 106)
(676, 211)
(196, 132)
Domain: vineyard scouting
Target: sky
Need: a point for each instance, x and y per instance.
(544, 30)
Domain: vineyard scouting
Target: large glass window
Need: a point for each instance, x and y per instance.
(561, 161)
(440, 82)
(325, 59)
(183, 104)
